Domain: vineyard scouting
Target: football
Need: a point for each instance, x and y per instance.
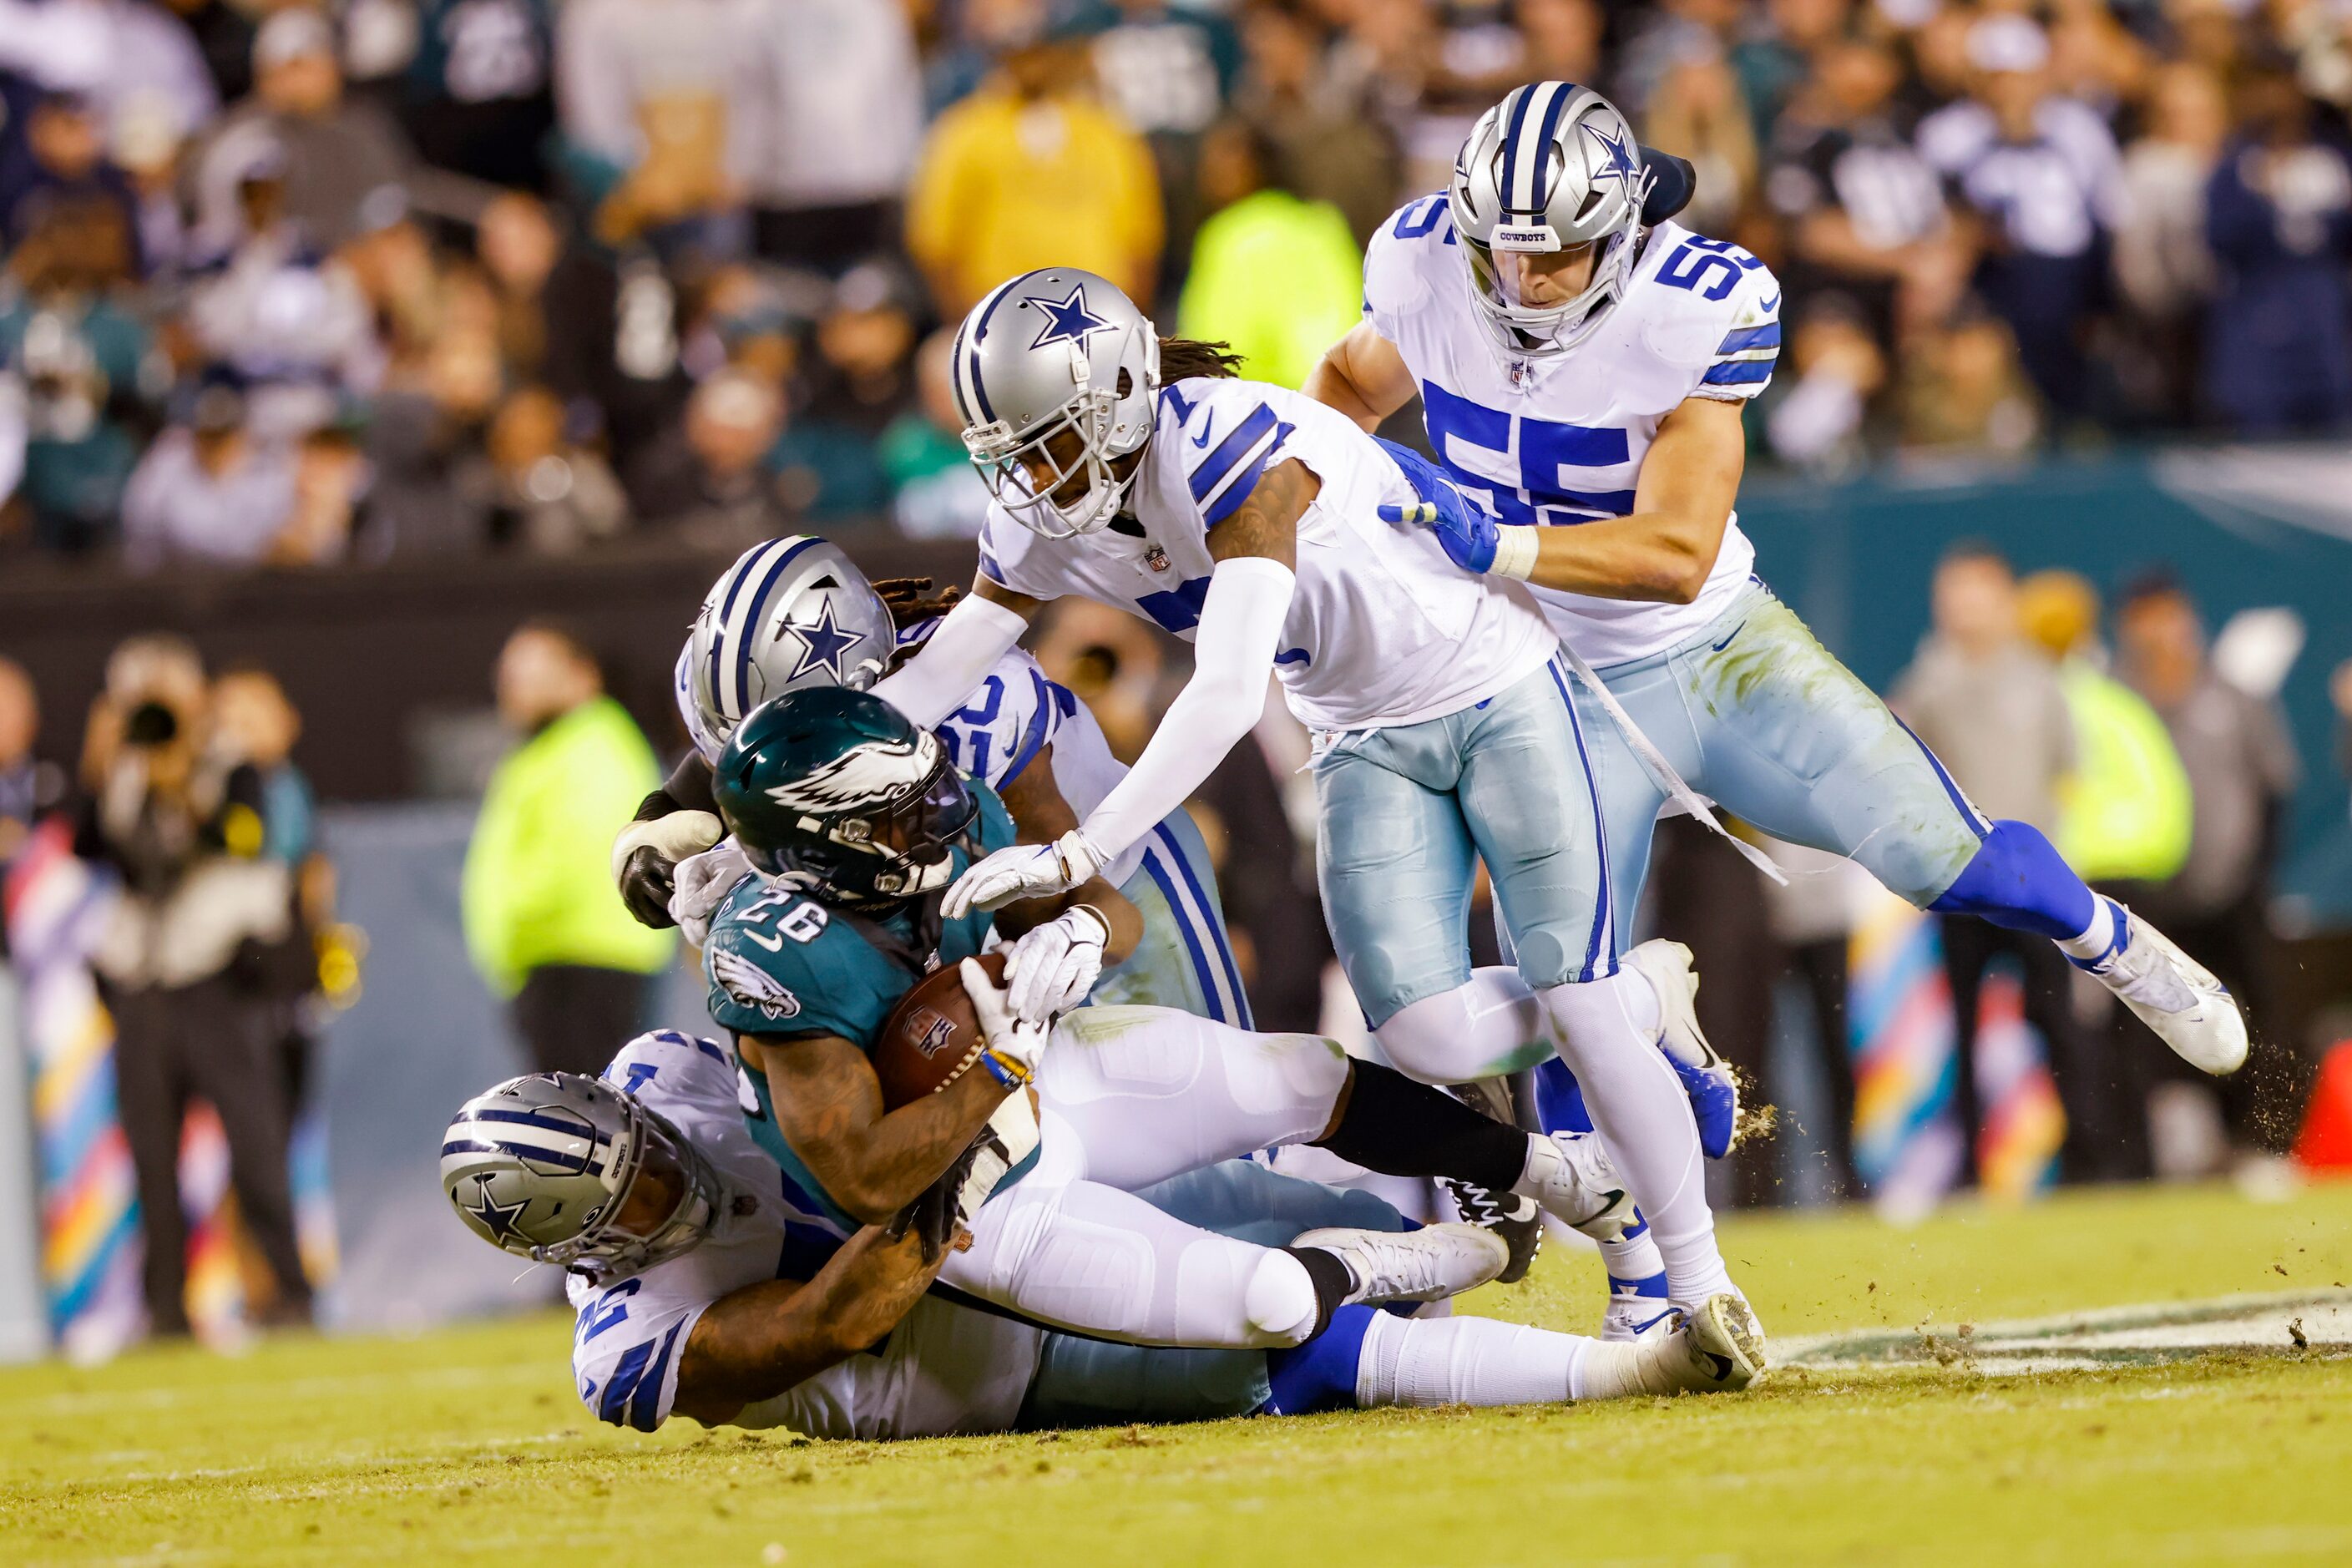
(931, 1036)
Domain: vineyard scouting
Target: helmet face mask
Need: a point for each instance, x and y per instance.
(836, 792)
(1553, 169)
(1055, 374)
(567, 1170)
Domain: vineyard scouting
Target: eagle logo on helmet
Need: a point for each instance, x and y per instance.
(870, 771)
(1067, 321)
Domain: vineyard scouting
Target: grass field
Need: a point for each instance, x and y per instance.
(467, 1445)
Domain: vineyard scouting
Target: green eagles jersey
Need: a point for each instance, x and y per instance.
(780, 963)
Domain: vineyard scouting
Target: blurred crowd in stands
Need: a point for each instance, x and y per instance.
(289, 285)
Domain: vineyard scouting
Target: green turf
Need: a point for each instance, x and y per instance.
(467, 1446)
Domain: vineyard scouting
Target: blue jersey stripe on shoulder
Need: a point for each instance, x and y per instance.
(644, 1410)
(988, 565)
(1230, 450)
(1740, 372)
(1741, 339)
(627, 1374)
(1229, 502)
(1033, 740)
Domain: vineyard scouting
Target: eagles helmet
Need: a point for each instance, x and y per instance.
(836, 790)
(1054, 374)
(789, 612)
(1554, 167)
(568, 1170)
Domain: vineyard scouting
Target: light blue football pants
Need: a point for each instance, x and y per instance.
(1406, 814)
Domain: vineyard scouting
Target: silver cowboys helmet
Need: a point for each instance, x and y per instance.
(546, 1166)
(790, 614)
(1553, 167)
(1054, 374)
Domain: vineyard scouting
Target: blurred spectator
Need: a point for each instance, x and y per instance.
(709, 480)
(187, 963)
(1772, 54)
(1167, 70)
(1989, 708)
(2278, 344)
(289, 320)
(1277, 279)
(29, 788)
(543, 923)
(338, 155)
(2123, 809)
(2162, 268)
(662, 104)
(1865, 212)
(2242, 771)
(86, 367)
(1811, 921)
(1818, 420)
(1031, 171)
(549, 494)
(64, 166)
(843, 116)
(222, 34)
(935, 492)
(480, 92)
(2339, 690)
(1330, 146)
(1698, 114)
(208, 492)
(1963, 389)
(2042, 171)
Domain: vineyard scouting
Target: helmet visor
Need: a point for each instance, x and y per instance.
(892, 851)
(665, 1199)
(1544, 296)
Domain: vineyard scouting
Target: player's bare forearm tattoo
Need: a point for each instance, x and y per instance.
(1266, 523)
(829, 1108)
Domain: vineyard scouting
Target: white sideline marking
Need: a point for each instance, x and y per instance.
(2115, 1336)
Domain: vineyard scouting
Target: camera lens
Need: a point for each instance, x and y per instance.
(151, 724)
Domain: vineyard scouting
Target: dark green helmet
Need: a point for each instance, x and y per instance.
(836, 789)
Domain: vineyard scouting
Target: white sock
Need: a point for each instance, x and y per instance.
(2095, 938)
(1636, 1258)
(1426, 1362)
(1639, 1110)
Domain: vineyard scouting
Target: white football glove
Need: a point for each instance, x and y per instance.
(1023, 871)
(1015, 1042)
(1008, 1138)
(1053, 966)
(703, 882)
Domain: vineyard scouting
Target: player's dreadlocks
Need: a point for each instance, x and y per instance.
(1183, 358)
(912, 601)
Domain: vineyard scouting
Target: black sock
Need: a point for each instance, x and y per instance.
(1400, 1128)
(1333, 1282)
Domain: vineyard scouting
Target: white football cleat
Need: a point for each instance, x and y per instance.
(1571, 1177)
(1425, 1265)
(1717, 1347)
(1636, 1308)
(2173, 995)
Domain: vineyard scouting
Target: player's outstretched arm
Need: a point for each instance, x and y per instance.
(829, 1108)
(979, 630)
(1233, 647)
(752, 1345)
(1363, 376)
(1038, 810)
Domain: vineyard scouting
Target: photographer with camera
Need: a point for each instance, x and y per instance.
(193, 961)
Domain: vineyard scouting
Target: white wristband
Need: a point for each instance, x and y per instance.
(1515, 551)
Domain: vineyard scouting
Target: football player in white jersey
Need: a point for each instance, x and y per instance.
(1246, 519)
(703, 1291)
(1583, 373)
(797, 612)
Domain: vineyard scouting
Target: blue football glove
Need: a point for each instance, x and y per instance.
(1467, 534)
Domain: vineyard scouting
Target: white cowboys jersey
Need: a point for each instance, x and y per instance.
(944, 1369)
(1383, 629)
(1560, 440)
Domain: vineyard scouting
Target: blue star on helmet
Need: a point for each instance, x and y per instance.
(498, 1221)
(1622, 166)
(1067, 321)
(822, 643)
